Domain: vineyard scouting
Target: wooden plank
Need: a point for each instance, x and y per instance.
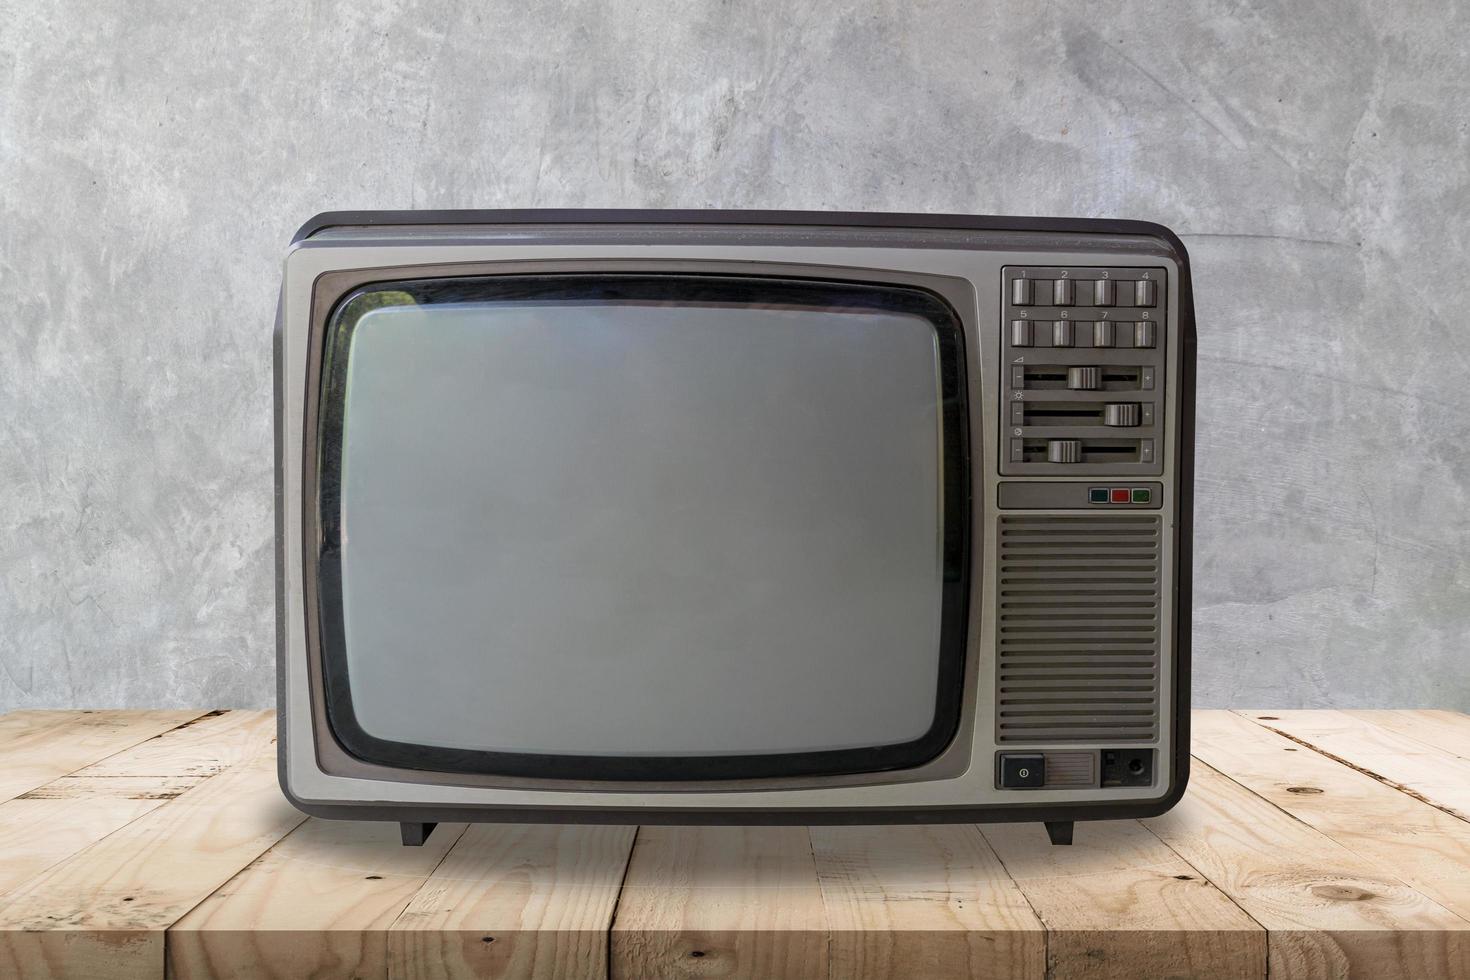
(204, 747)
(721, 901)
(15, 724)
(1119, 903)
(515, 901)
(52, 822)
(318, 904)
(1328, 911)
(1417, 768)
(103, 911)
(1447, 731)
(1419, 844)
(34, 757)
(930, 902)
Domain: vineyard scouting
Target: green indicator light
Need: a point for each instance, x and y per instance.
(1140, 495)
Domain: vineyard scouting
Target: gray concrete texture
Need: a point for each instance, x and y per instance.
(155, 158)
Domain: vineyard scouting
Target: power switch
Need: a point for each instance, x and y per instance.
(1022, 771)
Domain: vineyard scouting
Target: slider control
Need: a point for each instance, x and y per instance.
(1064, 451)
(1084, 378)
(1122, 414)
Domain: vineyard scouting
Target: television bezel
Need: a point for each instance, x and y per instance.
(322, 523)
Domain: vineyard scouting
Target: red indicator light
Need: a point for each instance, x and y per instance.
(1119, 495)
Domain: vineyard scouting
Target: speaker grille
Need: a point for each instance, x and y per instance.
(1078, 629)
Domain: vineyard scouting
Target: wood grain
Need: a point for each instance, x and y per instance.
(1445, 731)
(515, 901)
(923, 901)
(34, 752)
(17, 724)
(1119, 903)
(56, 820)
(1328, 911)
(1416, 843)
(103, 911)
(317, 904)
(723, 902)
(1417, 767)
(154, 843)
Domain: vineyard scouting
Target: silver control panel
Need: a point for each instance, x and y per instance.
(1083, 370)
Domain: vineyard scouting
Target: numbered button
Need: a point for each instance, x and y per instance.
(1145, 293)
(1063, 333)
(1022, 334)
(1144, 333)
(1023, 292)
(1062, 293)
(1104, 292)
(1104, 334)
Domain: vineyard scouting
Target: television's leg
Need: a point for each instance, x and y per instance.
(1060, 831)
(414, 834)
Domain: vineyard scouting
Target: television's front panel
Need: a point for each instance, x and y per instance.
(683, 521)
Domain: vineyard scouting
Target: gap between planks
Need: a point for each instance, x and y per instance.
(860, 881)
(1361, 741)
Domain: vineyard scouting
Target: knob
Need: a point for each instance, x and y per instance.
(1104, 292)
(1022, 292)
(1064, 451)
(1121, 413)
(1084, 378)
(1061, 292)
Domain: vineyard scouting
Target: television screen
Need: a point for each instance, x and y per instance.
(697, 516)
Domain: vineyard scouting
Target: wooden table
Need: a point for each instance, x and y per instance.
(1311, 843)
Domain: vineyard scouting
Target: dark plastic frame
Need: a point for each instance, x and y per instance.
(1183, 446)
(685, 290)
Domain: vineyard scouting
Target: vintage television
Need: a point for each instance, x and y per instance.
(733, 517)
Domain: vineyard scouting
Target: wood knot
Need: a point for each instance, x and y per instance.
(1342, 893)
(1304, 790)
(697, 953)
